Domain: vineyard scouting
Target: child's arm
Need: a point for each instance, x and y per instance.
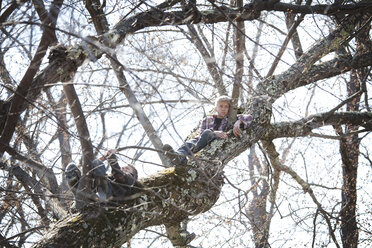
(245, 119)
(204, 125)
(115, 168)
(126, 175)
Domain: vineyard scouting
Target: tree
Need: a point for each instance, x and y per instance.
(100, 63)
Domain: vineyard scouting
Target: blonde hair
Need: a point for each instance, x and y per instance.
(223, 98)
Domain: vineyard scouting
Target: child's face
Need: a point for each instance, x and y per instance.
(222, 109)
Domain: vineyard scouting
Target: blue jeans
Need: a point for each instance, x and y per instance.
(103, 186)
(195, 145)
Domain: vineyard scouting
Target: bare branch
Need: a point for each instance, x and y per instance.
(304, 126)
(270, 148)
(209, 59)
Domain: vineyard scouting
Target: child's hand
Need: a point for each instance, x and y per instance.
(236, 130)
(220, 134)
(108, 154)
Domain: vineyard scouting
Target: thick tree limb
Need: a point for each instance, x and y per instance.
(167, 197)
(81, 125)
(83, 192)
(332, 68)
(239, 47)
(16, 107)
(276, 86)
(256, 209)
(324, 9)
(304, 126)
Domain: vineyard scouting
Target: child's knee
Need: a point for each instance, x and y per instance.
(207, 134)
(98, 168)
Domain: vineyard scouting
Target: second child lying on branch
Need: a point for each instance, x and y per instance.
(117, 186)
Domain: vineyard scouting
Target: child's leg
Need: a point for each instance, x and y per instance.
(99, 174)
(187, 147)
(98, 168)
(205, 138)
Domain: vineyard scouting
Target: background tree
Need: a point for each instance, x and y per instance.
(79, 79)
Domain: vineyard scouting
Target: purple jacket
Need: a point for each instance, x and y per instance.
(208, 122)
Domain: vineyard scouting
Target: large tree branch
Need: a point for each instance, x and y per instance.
(304, 126)
(173, 195)
(167, 197)
(16, 107)
(276, 86)
(332, 68)
(239, 46)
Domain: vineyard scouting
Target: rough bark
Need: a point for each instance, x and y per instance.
(349, 146)
(165, 198)
(65, 62)
(239, 45)
(305, 126)
(256, 210)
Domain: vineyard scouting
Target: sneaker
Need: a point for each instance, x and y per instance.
(72, 174)
(187, 237)
(173, 156)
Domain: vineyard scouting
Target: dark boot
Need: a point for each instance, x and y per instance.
(187, 237)
(72, 174)
(173, 156)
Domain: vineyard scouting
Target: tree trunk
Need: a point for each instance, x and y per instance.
(349, 147)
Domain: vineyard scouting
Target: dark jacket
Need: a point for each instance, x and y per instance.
(122, 178)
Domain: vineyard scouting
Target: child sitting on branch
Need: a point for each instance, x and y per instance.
(212, 127)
